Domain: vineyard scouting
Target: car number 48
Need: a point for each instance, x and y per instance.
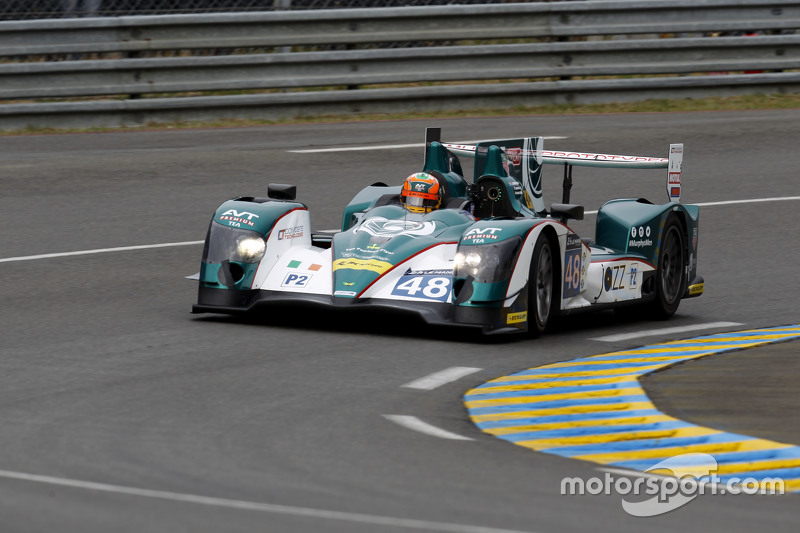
(428, 287)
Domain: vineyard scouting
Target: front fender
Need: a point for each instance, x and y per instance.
(281, 225)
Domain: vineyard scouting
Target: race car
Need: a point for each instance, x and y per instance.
(488, 255)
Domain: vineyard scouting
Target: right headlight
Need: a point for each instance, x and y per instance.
(250, 248)
(233, 244)
(487, 263)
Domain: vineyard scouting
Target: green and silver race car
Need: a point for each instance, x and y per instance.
(489, 255)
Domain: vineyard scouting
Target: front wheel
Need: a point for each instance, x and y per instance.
(540, 287)
(670, 278)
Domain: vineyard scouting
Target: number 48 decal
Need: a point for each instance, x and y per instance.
(572, 273)
(428, 287)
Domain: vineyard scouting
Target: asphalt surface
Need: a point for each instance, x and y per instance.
(106, 378)
(752, 392)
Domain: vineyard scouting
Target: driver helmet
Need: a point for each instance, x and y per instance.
(421, 193)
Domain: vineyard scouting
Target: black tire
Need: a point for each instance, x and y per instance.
(541, 287)
(671, 274)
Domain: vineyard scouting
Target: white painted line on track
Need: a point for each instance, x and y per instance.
(379, 147)
(415, 424)
(664, 331)
(354, 148)
(437, 379)
(750, 201)
(407, 523)
(100, 251)
(189, 243)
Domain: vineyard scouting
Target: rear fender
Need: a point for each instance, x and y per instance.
(634, 227)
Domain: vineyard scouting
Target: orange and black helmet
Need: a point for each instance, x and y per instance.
(421, 193)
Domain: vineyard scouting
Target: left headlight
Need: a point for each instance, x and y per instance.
(487, 263)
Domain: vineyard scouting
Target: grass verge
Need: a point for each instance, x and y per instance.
(732, 103)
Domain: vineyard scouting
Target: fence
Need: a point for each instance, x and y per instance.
(555, 64)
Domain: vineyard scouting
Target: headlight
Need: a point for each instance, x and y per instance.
(250, 249)
(487, 263)
(233, 244)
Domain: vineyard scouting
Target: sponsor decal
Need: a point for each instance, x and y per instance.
(599, 157)
(439, 272)
(694, 238)
(614, 277)
(295, 280)
(294, 264)
(641, 243)
(362, 264)
(573, 241)
(365, 253)
(348, 283)
(694, 290)
(516, 318)
(290, 233)
(382, 227)
(344, 293)
(514, 156)
(236, 218)
(314, 267)
(480, 235)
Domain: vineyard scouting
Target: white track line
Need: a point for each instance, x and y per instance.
(100, 251)
(415, 424)
(378, 147)
(750, 201)
(188, 243)
(664, 331)
(308, 512)
(437, 379)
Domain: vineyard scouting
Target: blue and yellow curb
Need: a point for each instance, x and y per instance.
(595, 409)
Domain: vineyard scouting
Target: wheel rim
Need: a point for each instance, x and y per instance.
(544, 285)
(671, 266)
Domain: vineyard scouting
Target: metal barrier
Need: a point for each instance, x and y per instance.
(557, 65)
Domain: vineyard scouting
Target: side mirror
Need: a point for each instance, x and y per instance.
(566, 211)
(282, 191)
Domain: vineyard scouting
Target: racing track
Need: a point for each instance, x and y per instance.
(120, 411)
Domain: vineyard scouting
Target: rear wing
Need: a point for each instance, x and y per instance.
(525, 158)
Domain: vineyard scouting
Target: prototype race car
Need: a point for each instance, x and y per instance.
(492, 256)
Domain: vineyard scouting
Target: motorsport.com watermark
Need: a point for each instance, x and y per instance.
(694, 475)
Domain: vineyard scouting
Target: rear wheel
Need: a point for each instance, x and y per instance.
(540, 287)
(670, 277)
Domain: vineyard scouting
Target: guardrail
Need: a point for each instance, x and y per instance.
(557, 65)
